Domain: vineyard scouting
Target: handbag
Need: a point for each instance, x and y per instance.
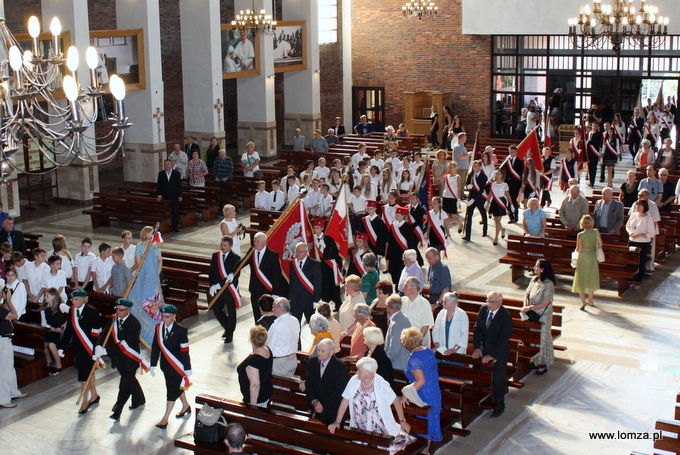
(533, 316)
(210, 425)
(598, 248)
(574, 259)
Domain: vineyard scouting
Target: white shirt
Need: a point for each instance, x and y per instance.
(128, 256)
(293, 192)
(321, 172)
(358, 157)
(262, 200)
(19, 296)
(103, 270)
(458, 331)
(83, 263)
(35, 275)
(66, 263)
(358, 203)
(379, 163)
(283, 335)
(325, 203)
(280, 200)
(231, 227)
(312, 199)
(419, 313)
(55, 281)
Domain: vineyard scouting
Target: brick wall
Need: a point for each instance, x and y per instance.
(431, 54)
(18, 12)
(102, 14)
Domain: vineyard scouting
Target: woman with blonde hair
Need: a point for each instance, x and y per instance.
(387, 183)
(587, 274)
(156, 263)
(54, 322)
(354, 298)
(453, 190)
(229, 226)
(375, 349)
(368, 190)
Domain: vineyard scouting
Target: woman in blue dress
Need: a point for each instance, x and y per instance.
(423, 377)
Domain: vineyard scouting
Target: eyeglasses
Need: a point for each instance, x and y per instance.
(122, 309)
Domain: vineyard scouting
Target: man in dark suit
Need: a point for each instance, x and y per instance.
(331, 264)
(265, 273)
(12, 236)
(514, 169)
(326, 380)
(190, 146)
(169, 186)
(608, 213)
(476, 185)
(396, 351)
(594, 150)
(636, 127)
(492, 332)
(305, 283)
(125, 355)
(222, 266)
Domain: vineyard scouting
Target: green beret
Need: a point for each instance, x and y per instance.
(125, 302)
(169, 309)
(79, 293)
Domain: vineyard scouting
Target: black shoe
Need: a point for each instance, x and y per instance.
(495, 243)
(95, 401)
(176, 228)
(460, 230)
(497, 413)
(187, 411)
(228, 340)
(541, 373)
(467, 239)
(135, 406)
(115, 416)
(224, 334)
(162, 427)
(83, 411)
(484, 235)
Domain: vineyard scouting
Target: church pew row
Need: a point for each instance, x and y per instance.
(281, 431)
(200, 265)
(670, 442)
(129, 210)
(29, 367)
(677, 407)
(191, 199)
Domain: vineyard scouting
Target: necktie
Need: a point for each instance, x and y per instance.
(488, 321)
(274, 196)
(224, 258)
(78, 313)
(300, 264)
(165, 332)
(323, 368)
(9, 238)
(258, 257)
(120, 323)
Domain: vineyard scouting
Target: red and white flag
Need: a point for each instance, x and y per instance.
(547, 140)
(530, 148)
(290, 229)
(338, 226)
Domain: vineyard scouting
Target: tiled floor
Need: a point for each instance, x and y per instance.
(621, 370)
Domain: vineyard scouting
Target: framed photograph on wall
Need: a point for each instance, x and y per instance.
(120, 52)
(240, 53)
(290, 50)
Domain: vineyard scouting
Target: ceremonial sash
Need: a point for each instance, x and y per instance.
(358, 263)
(574, 147)
(618, 135)
(513, 171)
(532, 186)
(594, 150)
(610, 148)
(372, 236)
(665, 123)
(565, 169)
(416, 229)
(337, 276)
(82, 336)
(399, 237)
(127, 350)
(633, 126)
(220, 266)
(386, 218)
(235, 295)
(498, 200)
(172, 360)
(476, 186)
(450, 188)
(263, 279)
(649, 131)
(437, 227)
(305, 281)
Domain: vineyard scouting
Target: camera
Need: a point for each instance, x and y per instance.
(243, 230)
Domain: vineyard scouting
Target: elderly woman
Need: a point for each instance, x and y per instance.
(379, 305)
(362, 318)
(255, 372)
(324, 309)
(375, 349)
(587, 273)
(423, 377)
(318, 325)
(370, 397)
(266, 305)
(196, 169)
(229, 226)
(354, 297)
(629, 190)
(450, 331)
(539, 298)
(370, 278)
(641, 232)
(645, 155)
(534, 219)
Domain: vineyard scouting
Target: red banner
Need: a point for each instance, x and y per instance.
(530, 148)
(291, 228)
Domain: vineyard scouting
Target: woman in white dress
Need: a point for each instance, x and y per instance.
(453, 188)
(450, 331)
(230, 227)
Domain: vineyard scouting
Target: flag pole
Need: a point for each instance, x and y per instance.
(125, 294)
(245, 259)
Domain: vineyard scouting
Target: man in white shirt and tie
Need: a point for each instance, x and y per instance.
(283, 339)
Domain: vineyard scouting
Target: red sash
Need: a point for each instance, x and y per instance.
(532, 187)
(263, 279)
(337, 276)
(127, 350)
(82, 336)
(498, 200)
(450, 188)
(358, 263)
(512, 170)
(220, 266)
(235, 295)
(565, 169)
(610, 148)
(399, 236)
(618, 135)
(172, 360)
(649, 131)
(476, 186)
(416, 229)
(372, 236)
(633, 126)
(665, 123)
(437, 228)
(305, 281)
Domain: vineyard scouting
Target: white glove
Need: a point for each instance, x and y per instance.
(512, 209)
(188, 373)
(152, 370)
(99, 351)
(64, 308)
(314, 305)
(214, 288)
(61, 353)
(469, 187)
(230, 277)
(95, 357)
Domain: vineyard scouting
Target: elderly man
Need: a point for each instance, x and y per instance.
(492, 332)
(318, 144)
(417, 309)
(12, 236)
(326, 380)
(223, 167)
(265, 273)
(222, 266)
(667, 193)
(235, 438)
(305, 282)
(298, 141)
(396, 351)
(438, 276)
(652, 184)
(573, 208)
(284, 335)
(169, 186)
(181, 159)
(331, 138)
(411, 269)
(608, 213)
(124, 351)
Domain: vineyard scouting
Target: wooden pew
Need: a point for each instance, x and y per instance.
(129, 210)
(193, 263)
(29, 368)
(670, 441)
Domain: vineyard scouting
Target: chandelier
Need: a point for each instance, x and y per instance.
(250, 22)
(618, 24)
(30, 111)
(419, 8)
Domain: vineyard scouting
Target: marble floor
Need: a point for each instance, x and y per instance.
(621, 370)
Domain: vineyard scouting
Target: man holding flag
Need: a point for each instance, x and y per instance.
(331, 264)
(222, 266)
(266, 276)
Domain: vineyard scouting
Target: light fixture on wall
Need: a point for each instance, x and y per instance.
(604, 25)
(419, 8)
(31, 116)
(254, 23)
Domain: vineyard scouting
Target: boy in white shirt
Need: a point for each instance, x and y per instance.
(418, 160)
(101, 269)
(261, 197)
(394, 158)
(34, 274)
(19, 261)
(378, 160)
(325, 202)
(360, 155)
(313, 196)
(276, 197)
(128, 249)
(293, 189)
(357, 206)
(81, 266)
(321, 171)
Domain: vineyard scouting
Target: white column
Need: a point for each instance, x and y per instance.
(80, 180)
(347, 63)
(202, 70)
(256, 112)
(301, 88)
(145, 140)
